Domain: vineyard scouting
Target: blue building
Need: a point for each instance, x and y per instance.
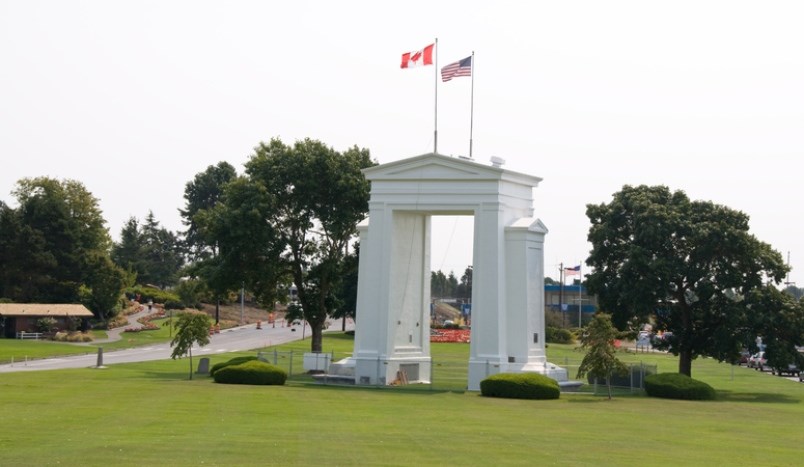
(567, 299)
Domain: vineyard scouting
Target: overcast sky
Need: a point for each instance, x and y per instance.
(134, 98)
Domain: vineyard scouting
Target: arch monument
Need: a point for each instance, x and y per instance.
(392, 330)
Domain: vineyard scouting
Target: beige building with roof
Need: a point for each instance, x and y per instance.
(22, 317)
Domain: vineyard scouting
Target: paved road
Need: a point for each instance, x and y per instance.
(230, 340)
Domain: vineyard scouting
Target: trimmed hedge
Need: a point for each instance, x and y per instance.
(234, 361)
(251, 372)
(678, 386)
(520, 386)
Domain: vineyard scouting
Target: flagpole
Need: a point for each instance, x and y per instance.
(580, 301)
(561, 292)
(435, 75)
(472, 106)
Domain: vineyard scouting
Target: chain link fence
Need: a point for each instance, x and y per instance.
(445, 374)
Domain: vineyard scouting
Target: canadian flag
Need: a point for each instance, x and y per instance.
(419, 58)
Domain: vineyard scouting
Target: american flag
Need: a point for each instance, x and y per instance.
(572, 271)
(459, 68)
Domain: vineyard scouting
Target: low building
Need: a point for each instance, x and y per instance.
(573, 301)
(23, 317)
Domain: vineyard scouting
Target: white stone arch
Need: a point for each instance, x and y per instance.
(392, 330)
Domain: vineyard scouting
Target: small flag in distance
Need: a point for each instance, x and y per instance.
(459, 68)
(418, 58)
(572, 271)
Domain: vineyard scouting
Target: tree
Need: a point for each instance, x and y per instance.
(464, 289)
(779, 319)
(320, 195)
(129, 252)
(202, 194)
(346, 294)
(191, 328)
(289, 219)
(152, 252)
(47, 242)
(600, 360)
(685, 264)
(104, 286)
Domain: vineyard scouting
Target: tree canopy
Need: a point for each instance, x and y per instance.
(687, 265)
(54, 247)
(288, 220)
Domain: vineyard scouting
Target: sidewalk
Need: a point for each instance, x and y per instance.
(115, 334)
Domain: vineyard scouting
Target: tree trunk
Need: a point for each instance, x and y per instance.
(191, 361)
(685, 362)
(317, 330)
(608, 384)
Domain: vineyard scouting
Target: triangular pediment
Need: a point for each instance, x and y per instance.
(433, 167)
(440, 167)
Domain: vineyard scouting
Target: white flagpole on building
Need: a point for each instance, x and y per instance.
(472, 106)
(435, 75)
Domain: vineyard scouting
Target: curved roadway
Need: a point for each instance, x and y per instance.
(241, 338)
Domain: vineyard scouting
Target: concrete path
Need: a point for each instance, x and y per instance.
(241, 338)
(115, 334)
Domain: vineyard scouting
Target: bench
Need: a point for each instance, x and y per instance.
(29, 335)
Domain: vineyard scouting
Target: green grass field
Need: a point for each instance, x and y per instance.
(151, 414)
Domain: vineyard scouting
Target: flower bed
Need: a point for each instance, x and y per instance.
(145, 327)
(450, 335)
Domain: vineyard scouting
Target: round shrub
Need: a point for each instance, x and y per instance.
(558, 335)
(251, 372)
(234, 361)
(678, 386)
(520, 386)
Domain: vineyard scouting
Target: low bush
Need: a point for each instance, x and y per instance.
(251, 372)
(520, 386)
(678, 386)
(73, 336)
(174, 305)
(234, 361)
(558, 335)
(151, 293)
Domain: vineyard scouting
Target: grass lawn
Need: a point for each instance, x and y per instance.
(151, 414)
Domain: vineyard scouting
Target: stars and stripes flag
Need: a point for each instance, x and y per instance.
(573, 271)
(459, 68)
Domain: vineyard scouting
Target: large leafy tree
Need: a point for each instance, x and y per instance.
(247, 245)
(202, 194)
(48, 242)
(288, 220)
(686, 264)
(321, 195)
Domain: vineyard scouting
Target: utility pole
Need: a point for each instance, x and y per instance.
(561, 294)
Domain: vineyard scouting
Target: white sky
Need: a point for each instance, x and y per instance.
(135, 98)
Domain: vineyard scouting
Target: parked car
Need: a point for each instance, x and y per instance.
(757, 361)
(791, 369)
(744, 356)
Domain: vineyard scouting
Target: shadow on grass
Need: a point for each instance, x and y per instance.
(730, 396)
(176, 376)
